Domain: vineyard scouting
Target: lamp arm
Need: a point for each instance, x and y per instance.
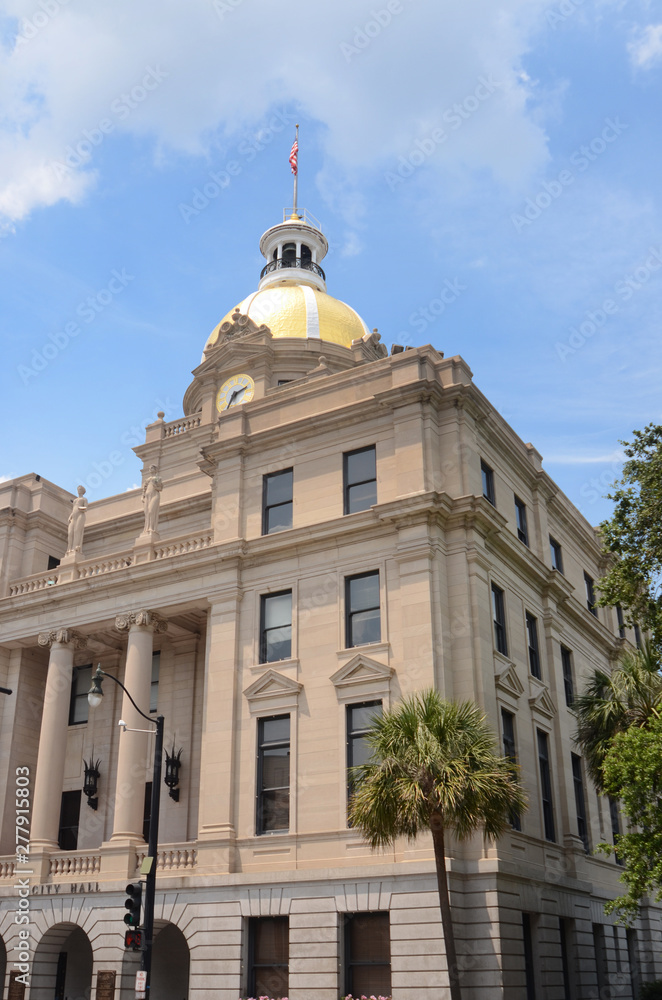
(102, 673)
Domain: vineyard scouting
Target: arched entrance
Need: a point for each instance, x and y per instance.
(62, 968)
(170, 965)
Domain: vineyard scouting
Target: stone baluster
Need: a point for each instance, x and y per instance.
(49, 776)
(132, 757)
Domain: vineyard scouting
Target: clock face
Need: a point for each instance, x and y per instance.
(235, 390)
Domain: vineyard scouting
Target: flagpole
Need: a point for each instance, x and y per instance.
(296, 175)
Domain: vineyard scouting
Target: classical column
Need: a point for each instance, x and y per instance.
(132, 757)
(49, 776)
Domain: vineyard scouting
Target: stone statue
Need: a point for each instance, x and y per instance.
(77, 523)
(152, 498)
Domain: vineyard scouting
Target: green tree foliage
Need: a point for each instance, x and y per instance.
(632, 771)
(434, 767)
(634, 535)
(612, 703)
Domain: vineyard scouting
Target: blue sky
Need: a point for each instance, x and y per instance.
(507, 152)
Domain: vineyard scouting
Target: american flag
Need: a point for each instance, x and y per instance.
(294, 152)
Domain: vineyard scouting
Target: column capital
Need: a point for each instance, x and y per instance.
(65, 636)
(142, 618)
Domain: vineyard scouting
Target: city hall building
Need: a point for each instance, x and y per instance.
(328, 527)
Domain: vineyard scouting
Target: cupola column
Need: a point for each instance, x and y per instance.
(49, 776)
(132, 759)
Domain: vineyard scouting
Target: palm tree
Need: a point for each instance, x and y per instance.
(434, 766)
(612, 703)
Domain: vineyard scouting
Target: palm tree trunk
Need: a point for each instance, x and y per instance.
(437, 829)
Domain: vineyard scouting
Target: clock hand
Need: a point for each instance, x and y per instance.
(234, 396)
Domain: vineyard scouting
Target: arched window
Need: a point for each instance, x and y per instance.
(289, 254)
(306, 255)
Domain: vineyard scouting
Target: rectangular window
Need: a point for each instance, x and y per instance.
(580, 801)
(568, 680)
(79, 707)
(273, 774)
(590, 594)
(276, 627)
(268, 956)
(499, 619)
(53, 562)
(633, 960)
(529, 966)
(363, 621)
(615, 825)
(277, 501)
(147, 810)
(510, 751)
(487, 475)
(360, 479)
(67, 837)
(154, 686)
(359, 720)
(617, 948)
(367, 954)
(637, 636)
(520, 519)
(556, 554)
(546, 786)
(601, 959)
(532, 641)
(621, 621)
(564, 934)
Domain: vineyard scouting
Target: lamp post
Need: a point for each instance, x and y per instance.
(149, 870)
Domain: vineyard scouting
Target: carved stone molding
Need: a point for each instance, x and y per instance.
(144, 618)
(66, 636)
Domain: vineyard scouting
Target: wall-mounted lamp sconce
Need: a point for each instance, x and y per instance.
(173, 764)
(91, 786)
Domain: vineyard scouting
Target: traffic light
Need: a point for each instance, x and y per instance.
(134, 892)
(133, 939)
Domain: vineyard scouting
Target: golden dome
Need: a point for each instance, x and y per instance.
(299, 310)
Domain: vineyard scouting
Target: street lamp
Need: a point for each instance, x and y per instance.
(94, 698)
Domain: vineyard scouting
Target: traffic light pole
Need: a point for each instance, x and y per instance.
(152, 849)
(94, 696)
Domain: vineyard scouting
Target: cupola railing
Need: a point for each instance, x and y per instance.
(305, 265)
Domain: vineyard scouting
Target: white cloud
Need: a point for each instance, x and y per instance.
(223, 66)
(647, 48)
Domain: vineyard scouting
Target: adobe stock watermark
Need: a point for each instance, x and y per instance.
(30, 27)
(423, 316)
(561, 12)
(86, 311)
(454, 118)
(223, 7)
(78, 154)
(364, 35)
(131, 438)
(582, 159)
(219, 180)
(596, 319)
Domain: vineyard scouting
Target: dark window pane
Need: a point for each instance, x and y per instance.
(278, 518)
(276, 627)
(268, 957)
(580, 801)
(279, 487)
(361, 497)
(360, 479)
(275, 810)
(361, 716)
(69, 818)
(364, 592)
(359, 721)
(273, 775)
(555, 550)
(276, 730)
(510, 751)
(546, 786)
(366, 627)
(520, 517)
(532, 637)
(361, 465)
(568, 682)
(368, 954)
(81, 682)
(487, 476)
(499, 619)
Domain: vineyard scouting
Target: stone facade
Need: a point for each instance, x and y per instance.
(194, 592)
